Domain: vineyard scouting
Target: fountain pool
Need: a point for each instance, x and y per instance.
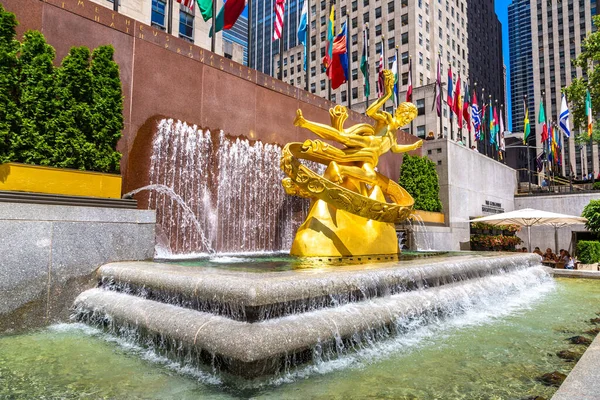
(494, 350)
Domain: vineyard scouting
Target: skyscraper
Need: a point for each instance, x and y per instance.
(239, 35)
(544, 36)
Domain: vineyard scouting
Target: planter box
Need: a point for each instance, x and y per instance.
(37, 179)
(429, 217)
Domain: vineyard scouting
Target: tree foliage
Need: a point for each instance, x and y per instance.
(589, 61)
(588, 251)
(69, 116)
(419, 177)
(592, 213)
(9, 47)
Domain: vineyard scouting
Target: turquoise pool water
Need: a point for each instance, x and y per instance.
(487, 353)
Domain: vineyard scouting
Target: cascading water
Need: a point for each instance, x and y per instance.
(216, 194)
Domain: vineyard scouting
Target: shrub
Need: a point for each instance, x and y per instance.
(588, 251)
(70, 116)
(592, 213)
(419, 177)
(596, 185)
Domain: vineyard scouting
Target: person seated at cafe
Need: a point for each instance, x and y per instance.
(538, 252)
(566, 259)
(523, 249)
(549, 255)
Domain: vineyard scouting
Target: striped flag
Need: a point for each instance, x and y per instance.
(187, 3)
(279, 10)
(409, 88)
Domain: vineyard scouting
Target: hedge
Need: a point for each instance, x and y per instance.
(588, 251)
(592, 212)
(69, 116)
(419, 177)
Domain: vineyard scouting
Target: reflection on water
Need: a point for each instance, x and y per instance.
(493, 353)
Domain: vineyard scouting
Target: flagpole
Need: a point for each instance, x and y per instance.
(591, 147)
(170, 20)
(213, 39)
(485, 147)
(528, 156)
(307, 47)
(348, 53)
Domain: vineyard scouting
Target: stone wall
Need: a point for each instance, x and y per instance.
(49, 254)
(471, 185)
(570, 204)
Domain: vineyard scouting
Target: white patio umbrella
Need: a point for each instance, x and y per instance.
(529, 217)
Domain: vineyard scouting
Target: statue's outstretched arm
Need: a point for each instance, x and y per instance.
(403, 148)
(388, 83)
(324, 131)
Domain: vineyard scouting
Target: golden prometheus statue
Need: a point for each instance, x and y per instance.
(349, 214)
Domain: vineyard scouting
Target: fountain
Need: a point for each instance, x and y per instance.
(348, 291)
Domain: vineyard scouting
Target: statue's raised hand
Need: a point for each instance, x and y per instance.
(388, 80)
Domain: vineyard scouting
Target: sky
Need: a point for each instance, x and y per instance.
(502, 13)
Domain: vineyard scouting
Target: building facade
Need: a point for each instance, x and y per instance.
(183, 22)
(238, 35)
(417, 30)
(544, 38)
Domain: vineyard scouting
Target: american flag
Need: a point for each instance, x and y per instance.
(188, 3)
(279, 10)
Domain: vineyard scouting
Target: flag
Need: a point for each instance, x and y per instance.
(564, 117)
(526, 127)
(502, 123)
(542, 120)
(338, 69)
(395, 71)
(206, 9)
(539, 161)
(450, 90)
(458, 103)
(409, 85)
(302, 28)
(330, 35)
(437, 102)
(552, 143)
(475, 116)
(364, 64)
(380, 87)
(466, 111)
(588, 112)
(187, 3)
(496, 128)
(492, 123)
(278, 27)
(228, 15)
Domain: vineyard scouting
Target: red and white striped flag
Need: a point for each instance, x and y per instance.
(188, 3)
(279, 10)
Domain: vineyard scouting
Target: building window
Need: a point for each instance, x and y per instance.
(186, 26)
(391, 7)
(354, 56)
(355, 93)
(322, 84)
(420, 39)
(378, 30)
(354, 74)
(354, 5)
(420, 20)
(405, 38)
(391, 25)
(405, 78)
(405, 58)
(313, 87)
(404, 3)
(391, 43)
(354, 22)
(378, 12)
(378, 47)
(366, 17)
(158, 14)
(420, 58)
(344, 96)
(343, 11)
(404, 20)
(421, 131)
(365, 3)
(313, 71)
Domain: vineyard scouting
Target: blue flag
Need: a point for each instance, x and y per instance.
(302, 27)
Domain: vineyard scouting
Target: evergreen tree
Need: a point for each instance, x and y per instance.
(107, 109)
(35, 144)
(420, 179)
(9, 118)
(73, 123)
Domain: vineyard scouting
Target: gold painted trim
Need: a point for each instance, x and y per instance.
(429, 216)
(39, 179)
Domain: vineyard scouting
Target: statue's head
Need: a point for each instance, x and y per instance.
(405, 113)
(339, 115)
